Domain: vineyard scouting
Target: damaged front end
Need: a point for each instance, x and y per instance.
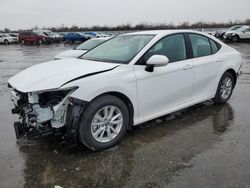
(41, 113)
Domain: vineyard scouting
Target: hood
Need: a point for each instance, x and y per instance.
(53, 74)
(70, 54)
(230, 32)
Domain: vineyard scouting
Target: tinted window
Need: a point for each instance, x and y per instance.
(214, 46)
(200, 45)
(172, 47)
(247, 30)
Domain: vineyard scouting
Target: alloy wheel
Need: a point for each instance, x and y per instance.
(226, 87)
(106, 124)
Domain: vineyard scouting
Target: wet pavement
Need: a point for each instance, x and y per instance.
(203, 146)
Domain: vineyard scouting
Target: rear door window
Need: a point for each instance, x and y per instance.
(200, 45)
(214, 46)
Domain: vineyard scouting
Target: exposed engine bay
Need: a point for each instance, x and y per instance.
(40, 112)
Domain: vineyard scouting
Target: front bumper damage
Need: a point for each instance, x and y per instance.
(45, 113)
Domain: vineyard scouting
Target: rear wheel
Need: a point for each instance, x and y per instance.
(103, 123)
(225, 88)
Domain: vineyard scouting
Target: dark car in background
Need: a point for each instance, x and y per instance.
(74, 37)
(33, 38)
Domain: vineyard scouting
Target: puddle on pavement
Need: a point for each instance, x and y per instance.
(164, 146)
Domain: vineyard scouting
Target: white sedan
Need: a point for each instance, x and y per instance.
(7, 39)
(239, 34)
(81, 49)
(128, 80)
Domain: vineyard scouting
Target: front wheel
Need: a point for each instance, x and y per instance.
(225, 88)
(6, 42)
(235, 38)
(103, 123)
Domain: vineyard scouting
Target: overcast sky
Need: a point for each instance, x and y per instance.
(24, 14)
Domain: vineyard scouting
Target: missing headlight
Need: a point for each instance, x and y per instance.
(52, 98)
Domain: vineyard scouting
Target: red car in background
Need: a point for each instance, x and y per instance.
(33, 37)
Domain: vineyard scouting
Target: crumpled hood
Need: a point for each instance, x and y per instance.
(53, 74)
(70, 54)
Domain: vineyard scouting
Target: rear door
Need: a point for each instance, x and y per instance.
(205, 64)
(166, 87)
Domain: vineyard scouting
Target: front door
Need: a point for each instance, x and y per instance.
(166, 87)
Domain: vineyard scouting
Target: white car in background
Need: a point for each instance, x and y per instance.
(239, 34)
(220, 33)
(7, 39)
(127, 80)
(81, 49)
(54, 36)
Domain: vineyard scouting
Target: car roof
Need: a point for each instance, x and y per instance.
(165, 32)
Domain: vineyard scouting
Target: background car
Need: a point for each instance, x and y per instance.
(93, 34)
(239, 34)
(48, 39)
(7, 39)
(54, 37)
(81, 49)
(32, 37)
(74, 37)
(220, 33)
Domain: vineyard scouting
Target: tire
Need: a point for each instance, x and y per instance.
(224, 90)
(6, 42)
(93, 119)
(235, 38)
(40, 41)
(22, 41)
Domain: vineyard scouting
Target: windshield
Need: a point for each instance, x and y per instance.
(120, 49)
(242, 28)
(89, 44)
(235, 27)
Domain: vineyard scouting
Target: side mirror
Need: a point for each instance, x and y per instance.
(156, 61)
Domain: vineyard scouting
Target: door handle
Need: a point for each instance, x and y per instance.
(219, 60)
(187, 66)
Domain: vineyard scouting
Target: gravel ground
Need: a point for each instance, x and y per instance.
(203, 146)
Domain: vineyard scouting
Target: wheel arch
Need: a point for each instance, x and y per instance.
(127, 102)
(237, 35)
(234, 74)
